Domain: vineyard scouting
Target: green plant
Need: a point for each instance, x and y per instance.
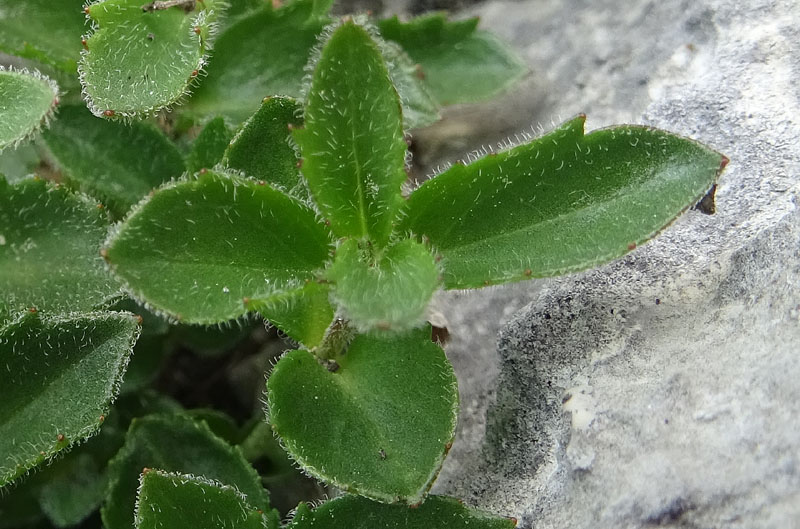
(298, 216)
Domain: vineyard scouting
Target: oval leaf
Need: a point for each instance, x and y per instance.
(182, 501)
(437, 512)
(562, 203)
(262, 148)
(48, 31)
(390, 294)
(352, 144)
(50, 249)
(459, 63)
(60, 376)
(175, 443)
(27, 100)
(389, 409)
(260, 55)
(115, 162)
(140, 60)
(197, 248)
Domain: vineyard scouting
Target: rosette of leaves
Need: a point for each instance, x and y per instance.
(327, 248)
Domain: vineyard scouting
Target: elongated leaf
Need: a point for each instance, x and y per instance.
(49, 249)
(460, 64)
(139, 60)
(116, 162)
(48, 31)
(174, 443)
(59, 377)
(390, 294)
(177, 501)
(437, 512)
(197, 248)
(261, 55)
(389, 409)
(27, 100)
(303, 314)
(352, 144)
(262, 149)
(209, 146)
(562, 203)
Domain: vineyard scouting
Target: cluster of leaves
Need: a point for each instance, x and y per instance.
(299, 217)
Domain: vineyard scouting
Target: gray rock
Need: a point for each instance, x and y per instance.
(660, 390)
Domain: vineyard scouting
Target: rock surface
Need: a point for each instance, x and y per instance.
(660, 390)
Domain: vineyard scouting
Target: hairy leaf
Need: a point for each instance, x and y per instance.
(390, 293)
(210, 145)
(459, 63)
(174, 443)
(303, 314)
(562, 203)
(48, 31)
(352, 144)
(17, 164)
(27, 100)
(388, 405)
(262, 149)
(261, 55)
(59, 377)
(436, 512)
(116, 162)
(49, 249)
(419, 107)
(176, 501)
(139, 61)
(197, 248)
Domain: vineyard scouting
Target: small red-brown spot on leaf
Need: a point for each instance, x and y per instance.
(203, 170)
(528, 272)
(60, 438)
(194, 73)
(299, 163)
(85, 44)
(246, 301)
(197, 30)
(145, 470)
(33, 310)
(102, 418)
(262, 183)
(104, 253)
(86, 10)
(108, 113)
(99, 206)
(631, 246)
(139, 319)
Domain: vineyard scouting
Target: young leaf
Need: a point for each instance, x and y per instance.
(419, 107)
(59, 377)
(562, 203)
(436, 512)
(140, 60)
(116, 162)
(27, 101)
(48, 31)
(210, 145)
(352, 144)
(182, 501)
(388, 405)
(175, 443)
(261, 148)
(304, 314)
(197, 248)
(460, 64)
(262, 54)
(49, 249)
(391, 293)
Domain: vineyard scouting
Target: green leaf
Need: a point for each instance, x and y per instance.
(59, 377)
(210, 145)
(139, 61)
(352, 144)
(437, 512)
(262, 149)
(174, 443)
(460, 64)
(389, 293)
(27, 101)
(49, 249)
(261, 55)
(48, 31)
(74, 491)
(389, 409)
(118, 163)
(419, 107)
(17, 164)
(197, 248)
(303, 314)
(562, 203)
(178, 501)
